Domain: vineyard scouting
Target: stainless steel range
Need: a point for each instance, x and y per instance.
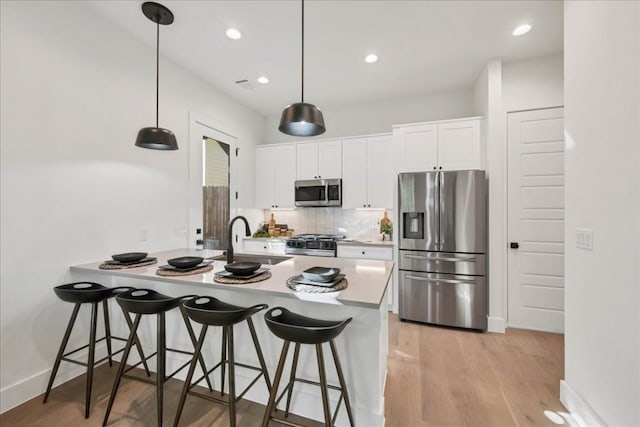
(313, 244)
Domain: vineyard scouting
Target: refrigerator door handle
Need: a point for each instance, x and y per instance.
(437, 208)
(426, 279)
(471, 259)
(440, 208)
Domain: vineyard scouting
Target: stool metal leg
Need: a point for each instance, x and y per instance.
(223, 360)
(192, 368)
(107, 330)
(123, 363)
(160, 369)
(274, 386)
(323, 386)
(256, 344)
(136, 341)
(343, 383)
(91, 357)
(292, 377)
(63, 345)
(232, 378)
(192, 336)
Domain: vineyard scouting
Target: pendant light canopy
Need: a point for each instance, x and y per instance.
(301, 118)
(157, 138)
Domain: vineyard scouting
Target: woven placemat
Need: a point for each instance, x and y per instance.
(115, 265)
(203, 269)
(299, 287)
(227, 281)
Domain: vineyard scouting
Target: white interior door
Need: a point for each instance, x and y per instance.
(535, 141)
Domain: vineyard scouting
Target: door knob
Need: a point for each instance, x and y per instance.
(514, 245)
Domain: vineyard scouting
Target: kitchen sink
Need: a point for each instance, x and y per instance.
(260, 259)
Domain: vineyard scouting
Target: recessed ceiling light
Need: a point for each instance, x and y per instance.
(522, 29)
(263, 80)
(234, 34)
(371, 58)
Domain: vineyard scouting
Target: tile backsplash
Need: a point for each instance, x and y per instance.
(357, 223)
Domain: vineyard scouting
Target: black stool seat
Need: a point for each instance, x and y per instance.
(301, 329)
(213, 312)
(210, 311)
(150, 302)
(84, 292)
(147, 301)
(79, 293)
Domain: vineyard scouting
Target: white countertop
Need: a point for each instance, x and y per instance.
(367, 279)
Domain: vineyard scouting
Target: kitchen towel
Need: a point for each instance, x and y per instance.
(116, 265)
(299, 287)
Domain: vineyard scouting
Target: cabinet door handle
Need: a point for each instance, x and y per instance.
(434, 168)
(440, 167)
(362, 252)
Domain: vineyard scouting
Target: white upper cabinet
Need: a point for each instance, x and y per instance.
(367, 172)
(275, 176)
(459, 145)
(380, 178)
(354, 173)
(316, 160)
(417, 147)
(447, 145)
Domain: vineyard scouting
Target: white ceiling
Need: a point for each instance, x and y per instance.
(423, 46)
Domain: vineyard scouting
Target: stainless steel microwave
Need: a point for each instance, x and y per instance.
(318, 193)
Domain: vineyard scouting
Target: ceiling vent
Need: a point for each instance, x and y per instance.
(244, 83)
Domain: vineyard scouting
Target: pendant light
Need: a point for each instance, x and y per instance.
(157, 138)
(301, 118)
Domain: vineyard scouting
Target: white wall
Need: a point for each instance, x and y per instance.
(533, 83)
(378, 117)
(602, 160)
(500, 88)
(75, 90)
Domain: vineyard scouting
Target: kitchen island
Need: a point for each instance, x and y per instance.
(363, 346)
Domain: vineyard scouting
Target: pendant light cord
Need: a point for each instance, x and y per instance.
(302, 79)
(157, 68)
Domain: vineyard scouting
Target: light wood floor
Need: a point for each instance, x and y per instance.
(437, 377)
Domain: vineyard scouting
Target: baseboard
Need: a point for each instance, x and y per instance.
(496, 324)
(27, 389)
(579, 409)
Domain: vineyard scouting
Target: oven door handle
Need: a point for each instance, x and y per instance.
(427, 279)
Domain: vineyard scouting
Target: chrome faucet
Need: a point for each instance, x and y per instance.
(230, 247)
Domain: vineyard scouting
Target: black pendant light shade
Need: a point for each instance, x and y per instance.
(301, 118)
(157, 138)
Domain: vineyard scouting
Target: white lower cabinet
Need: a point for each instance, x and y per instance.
(369, 252)
(263, 246)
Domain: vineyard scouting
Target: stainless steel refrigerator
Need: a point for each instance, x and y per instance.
(443, 244)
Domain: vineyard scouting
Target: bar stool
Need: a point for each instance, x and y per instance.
(79, 293)
(210, 311)
(144, 302)
(292, 327)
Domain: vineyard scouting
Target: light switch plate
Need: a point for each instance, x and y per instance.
(584, 238)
